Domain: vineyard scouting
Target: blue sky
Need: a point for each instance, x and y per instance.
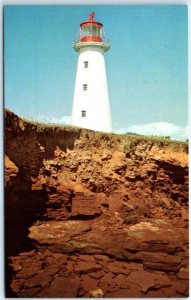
(146, 65)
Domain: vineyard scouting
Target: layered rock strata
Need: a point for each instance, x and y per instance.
(90, 214)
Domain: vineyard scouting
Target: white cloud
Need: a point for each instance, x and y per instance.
(158, 129)
(51, 120)
(63, 120)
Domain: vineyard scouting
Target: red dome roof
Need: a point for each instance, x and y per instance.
(91, 21)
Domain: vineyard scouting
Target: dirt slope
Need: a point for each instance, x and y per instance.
(94, 214)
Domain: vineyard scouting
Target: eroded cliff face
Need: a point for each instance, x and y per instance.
(94, 215)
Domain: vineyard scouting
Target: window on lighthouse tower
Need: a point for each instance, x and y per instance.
(85, 64)
(85, 87)
(83, 113)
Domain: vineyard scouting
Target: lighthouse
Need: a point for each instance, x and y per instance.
(91, 106)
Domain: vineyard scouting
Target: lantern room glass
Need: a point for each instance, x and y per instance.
(91, 30)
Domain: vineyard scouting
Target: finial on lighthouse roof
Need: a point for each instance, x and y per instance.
(91, 16)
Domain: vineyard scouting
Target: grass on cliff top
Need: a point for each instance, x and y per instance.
(133, 136)
(40, 127)
(153, 138)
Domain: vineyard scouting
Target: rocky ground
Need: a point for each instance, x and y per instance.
(89, 214)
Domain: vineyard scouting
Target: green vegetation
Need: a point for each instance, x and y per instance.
(130, 136)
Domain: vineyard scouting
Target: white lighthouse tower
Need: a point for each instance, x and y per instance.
(91, 108)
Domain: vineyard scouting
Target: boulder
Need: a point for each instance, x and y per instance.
(86, 206)
(88, 283)
(87, 267)
(183, 273)
(118, 268)
(97, 274)
(42, 279)
(57, 231)
(148, 280)
(63, 288)
(158, 260)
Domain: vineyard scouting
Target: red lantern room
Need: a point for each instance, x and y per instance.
(91, 33)
(91, 30)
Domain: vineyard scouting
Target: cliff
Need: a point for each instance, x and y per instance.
(89, 214)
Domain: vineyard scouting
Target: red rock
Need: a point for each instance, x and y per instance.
(44, 284)
(121, 281)
(28, 293)
(38, 279)
(70, 265)
(73, 257)
(106, 155)
(63, 288)
(158, 260)
(88, 283)
(183, 273)
(81, 292)
(117, 268)
(11, 170)
(87, 267)
(165, 202)
(155, 236)
(184, 214)
(28, 272)
(86, 206)
(128, 207)
(51, 270)
(60, 257)
(50, 260)
(115, 202)
(135, 266)
(107, 282)
(182, 288)
(16, 267)
(157, 294)
(107, 277)
(44, 254)
(97, 274)
(178, 222)
(158, 244)
(170, 292)
(112, 289)
(103, 228)
(38, 185)
(17, 284)
(25, 254)
(101, 257)
(88, 258)
(125, 293)
(160, 266)
(118, 162)
(133, 291)
(147, 280)
(58, 231)
(120, 264)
